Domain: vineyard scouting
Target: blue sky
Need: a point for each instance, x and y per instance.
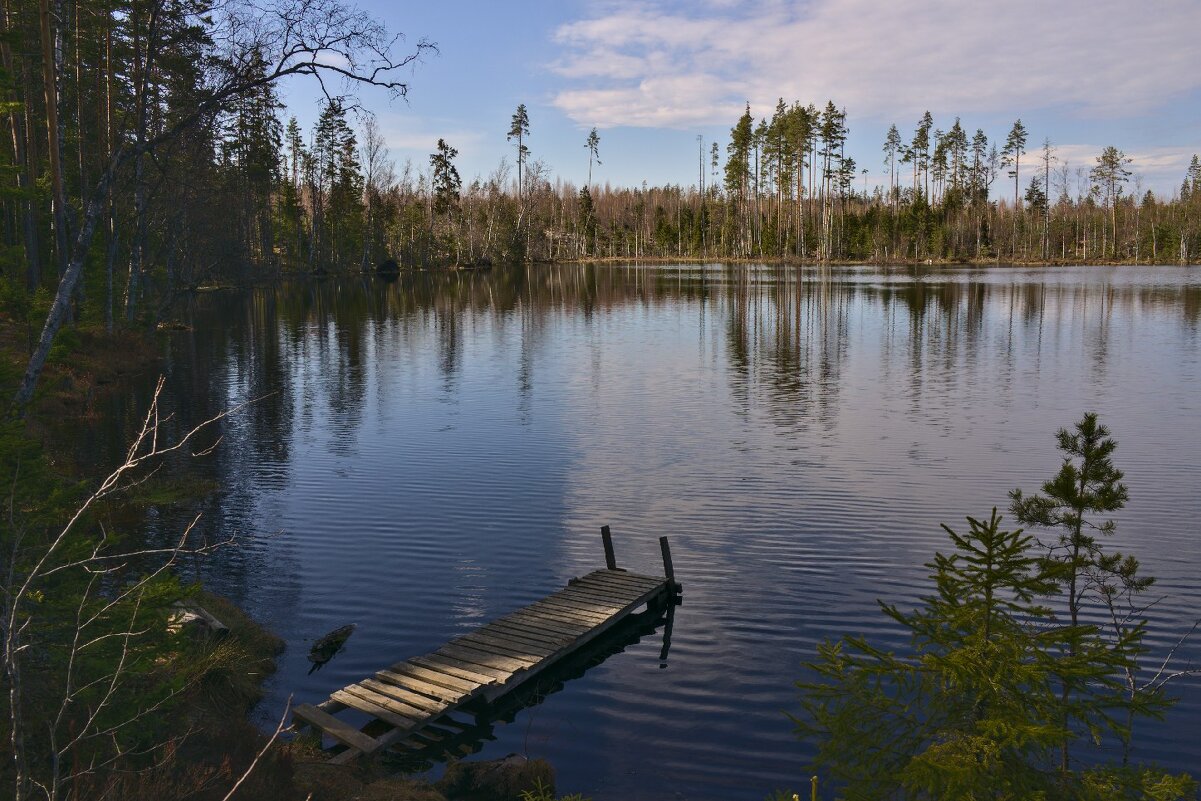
(653, 75)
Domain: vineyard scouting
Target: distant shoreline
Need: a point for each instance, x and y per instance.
(794, 262)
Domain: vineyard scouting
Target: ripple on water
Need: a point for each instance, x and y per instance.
(441, 450)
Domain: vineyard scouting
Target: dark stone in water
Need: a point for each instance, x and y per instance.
(326, 648)
(388, 267)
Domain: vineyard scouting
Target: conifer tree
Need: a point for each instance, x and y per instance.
(1109, 176)
(519, 129)
(892, 146)
(972, 709)
(1011, 156)
(593, 145)
(1087, 485)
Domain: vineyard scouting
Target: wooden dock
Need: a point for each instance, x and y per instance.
(410, 696)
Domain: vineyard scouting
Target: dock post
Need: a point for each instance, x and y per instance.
(668, 569)
(607, 538)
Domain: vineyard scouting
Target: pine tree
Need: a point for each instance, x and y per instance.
(1086, 485)
(972, 709)
(737, 177)
(446, 185)
(593, 145)
(1109, 177)
(892, 146)
(1011, 156)
(519, 129)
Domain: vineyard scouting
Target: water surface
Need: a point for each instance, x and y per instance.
(435, 452)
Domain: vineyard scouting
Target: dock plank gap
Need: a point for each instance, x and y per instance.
(420, 693)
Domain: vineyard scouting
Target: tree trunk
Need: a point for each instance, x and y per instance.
(66, 287)
(50, 90)
(29, 234)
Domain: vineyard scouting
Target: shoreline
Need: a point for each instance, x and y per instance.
(740, 261)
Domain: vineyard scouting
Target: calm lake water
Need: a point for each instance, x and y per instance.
(434, 452)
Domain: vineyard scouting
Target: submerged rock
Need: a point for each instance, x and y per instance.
(326, 648)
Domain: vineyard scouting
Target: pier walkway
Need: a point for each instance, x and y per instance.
(487, 663)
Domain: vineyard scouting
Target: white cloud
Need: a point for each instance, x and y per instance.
(643, 63)
(404, 134)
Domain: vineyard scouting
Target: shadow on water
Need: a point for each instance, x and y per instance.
(474, 726)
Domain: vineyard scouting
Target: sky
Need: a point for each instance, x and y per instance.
(652, 75)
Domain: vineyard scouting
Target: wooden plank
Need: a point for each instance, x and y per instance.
(387, 716)
(433, 691)
(584, 605)
(571, 614)
(481, 656)
(625, 594)
(553, 639)
(568, 612)
(589, 592)
(523, 617)
(380, 699)
(525, 636)
(554, 615)
(339, 730)
(418, 706)
(623, 579)
(410, 697)
(457, 667)
(536, 651)
(626, 577)
(608, 589)
(438, 677)
(631, 599)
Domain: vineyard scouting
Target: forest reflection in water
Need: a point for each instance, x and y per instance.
(430, 453)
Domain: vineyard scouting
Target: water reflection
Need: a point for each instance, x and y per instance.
(438, 450)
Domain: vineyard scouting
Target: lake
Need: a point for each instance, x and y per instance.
(434, 452)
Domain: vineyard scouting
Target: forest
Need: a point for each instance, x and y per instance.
(150, 136)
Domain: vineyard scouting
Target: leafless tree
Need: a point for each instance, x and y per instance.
(83, 739)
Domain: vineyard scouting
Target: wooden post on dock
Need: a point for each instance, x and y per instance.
(668, 569)
(607, 538)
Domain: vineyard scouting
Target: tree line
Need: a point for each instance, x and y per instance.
(147, 152)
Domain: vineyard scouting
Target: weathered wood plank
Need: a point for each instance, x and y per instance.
(525, 636)
(552, 609)
(438, 677)
(417, 706)
(595, 594)
(376, 711)
(341, 731)
(433, 691)
(457, 667)
(486, 658)
(415, 715)
(554, 615)
(524, 616)
(623, 579)
(599, 586)
(535, 651)
(605, 610)
(529, 633)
